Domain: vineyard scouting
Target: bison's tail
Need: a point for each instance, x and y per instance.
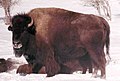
(107, 38)
(108, 44)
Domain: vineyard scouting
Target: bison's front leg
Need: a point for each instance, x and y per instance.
(51, 66)
(24, 69)
(36, 68)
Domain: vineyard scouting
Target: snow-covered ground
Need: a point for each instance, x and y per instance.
(112, 70)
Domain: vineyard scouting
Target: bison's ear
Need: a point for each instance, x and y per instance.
(10, 28)
(32, 30)
(31, 27)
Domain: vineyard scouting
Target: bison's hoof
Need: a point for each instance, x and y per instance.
(103, 77)
(48, 75)
(95, 75)
(23, 74)
(24, 69)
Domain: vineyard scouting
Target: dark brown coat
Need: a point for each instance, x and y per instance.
(68, 35)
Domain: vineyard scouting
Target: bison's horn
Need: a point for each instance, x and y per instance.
(31, 23)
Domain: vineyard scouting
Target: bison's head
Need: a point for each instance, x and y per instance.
(21, 27)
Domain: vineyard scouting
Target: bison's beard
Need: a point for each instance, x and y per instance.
(18, 52)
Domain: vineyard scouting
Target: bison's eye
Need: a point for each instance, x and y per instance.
(10, 28)
(17, 31)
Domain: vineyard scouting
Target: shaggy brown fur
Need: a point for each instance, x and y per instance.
(65, 30)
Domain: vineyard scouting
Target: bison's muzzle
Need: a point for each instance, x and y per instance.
(17, 45)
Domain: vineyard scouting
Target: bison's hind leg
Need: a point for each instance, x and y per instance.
(98, 57)
(103, 64)
(90, 69)
(84, 70)
(94, 74)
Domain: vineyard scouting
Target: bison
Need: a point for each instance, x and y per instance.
(61, 36)
(3, 65)
(7, 65)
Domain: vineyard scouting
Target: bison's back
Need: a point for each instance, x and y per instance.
(69, 32)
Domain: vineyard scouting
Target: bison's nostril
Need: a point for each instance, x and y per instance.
(17, 45)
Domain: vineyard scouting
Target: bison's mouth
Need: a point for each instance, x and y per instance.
(18, 49)
(18, 52)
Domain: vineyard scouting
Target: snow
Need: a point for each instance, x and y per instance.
(112, 69)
